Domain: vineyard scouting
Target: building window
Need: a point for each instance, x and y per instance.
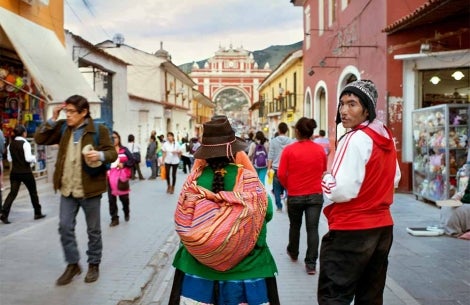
(308, 105)
(332, 12)
(307, 24)
(321, 17)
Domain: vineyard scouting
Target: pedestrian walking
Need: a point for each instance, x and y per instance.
(151, 156)
(216, 264)
(20, 156)
(160, 140)
(80, 177)
(300, 171)
(118, 180)
(276, 145)
(323, 141)
(171, 158)
(193, 146)
(354, 252)
(258, 153)
(186, 155)
(135, 149)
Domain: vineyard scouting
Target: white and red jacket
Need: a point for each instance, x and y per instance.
(363, 177)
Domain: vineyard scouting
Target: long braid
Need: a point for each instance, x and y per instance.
(218, 164)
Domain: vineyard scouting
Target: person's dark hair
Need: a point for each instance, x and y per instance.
(80, 104)
(152, 137)
(119, 137)
(131, 138)
(250, 135)
(217, 164)
(161, 138)
(283, 128)
(322, 133)
(260, 136)
(305, 127)
(19, 130)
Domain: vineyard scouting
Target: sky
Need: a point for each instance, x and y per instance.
(191, 30)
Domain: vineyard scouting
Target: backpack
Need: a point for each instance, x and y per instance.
(260, 157)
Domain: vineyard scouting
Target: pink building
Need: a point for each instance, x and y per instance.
(400, 45)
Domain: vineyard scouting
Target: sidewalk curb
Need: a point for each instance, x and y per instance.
(157, 263)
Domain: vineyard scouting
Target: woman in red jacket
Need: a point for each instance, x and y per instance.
(300, 172)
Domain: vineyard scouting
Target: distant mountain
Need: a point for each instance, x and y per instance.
(273, 54)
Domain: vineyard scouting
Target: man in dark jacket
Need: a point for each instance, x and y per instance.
(80, 177)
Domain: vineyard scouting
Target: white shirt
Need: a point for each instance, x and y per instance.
(28, 156)
(134, 147)
(172, 152)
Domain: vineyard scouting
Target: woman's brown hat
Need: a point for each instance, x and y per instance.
(219, 140)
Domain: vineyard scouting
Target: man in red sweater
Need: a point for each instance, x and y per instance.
(354, 253)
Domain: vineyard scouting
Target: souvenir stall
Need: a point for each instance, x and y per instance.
(440, 136)
(20, 103)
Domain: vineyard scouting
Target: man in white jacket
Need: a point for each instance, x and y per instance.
(354, 253)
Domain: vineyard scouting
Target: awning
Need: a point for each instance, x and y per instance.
(45, 58)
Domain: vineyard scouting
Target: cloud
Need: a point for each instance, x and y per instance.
(190, 30)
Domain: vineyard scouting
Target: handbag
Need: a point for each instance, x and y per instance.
(136, 156)
(163, 172)
(123, 181)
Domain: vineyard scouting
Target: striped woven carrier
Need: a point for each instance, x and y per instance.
(221, 229)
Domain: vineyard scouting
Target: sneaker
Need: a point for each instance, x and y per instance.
(39, 216)
(310, 269)
(92, 274)
(69, 273)
(126, 217)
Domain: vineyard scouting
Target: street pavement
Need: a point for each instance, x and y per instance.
(136, 267)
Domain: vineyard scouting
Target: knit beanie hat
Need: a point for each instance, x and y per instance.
(366, 92)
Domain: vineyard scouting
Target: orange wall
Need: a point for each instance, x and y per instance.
(49, 16)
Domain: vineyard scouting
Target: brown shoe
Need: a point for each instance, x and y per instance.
(66, 277)
(92, 274)
(114, 222)
(168, 189)
(172, 189)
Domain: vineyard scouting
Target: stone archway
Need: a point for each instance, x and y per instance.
(231, 79)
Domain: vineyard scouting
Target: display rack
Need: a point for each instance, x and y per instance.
(39, 168)
(440, 142)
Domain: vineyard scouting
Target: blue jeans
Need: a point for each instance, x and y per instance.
(278, 189)
(69, 207)
(311, 205)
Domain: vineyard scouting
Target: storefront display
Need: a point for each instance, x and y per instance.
(440, 142)
(20, 103)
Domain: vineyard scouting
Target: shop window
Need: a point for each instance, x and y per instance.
(445, 86)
